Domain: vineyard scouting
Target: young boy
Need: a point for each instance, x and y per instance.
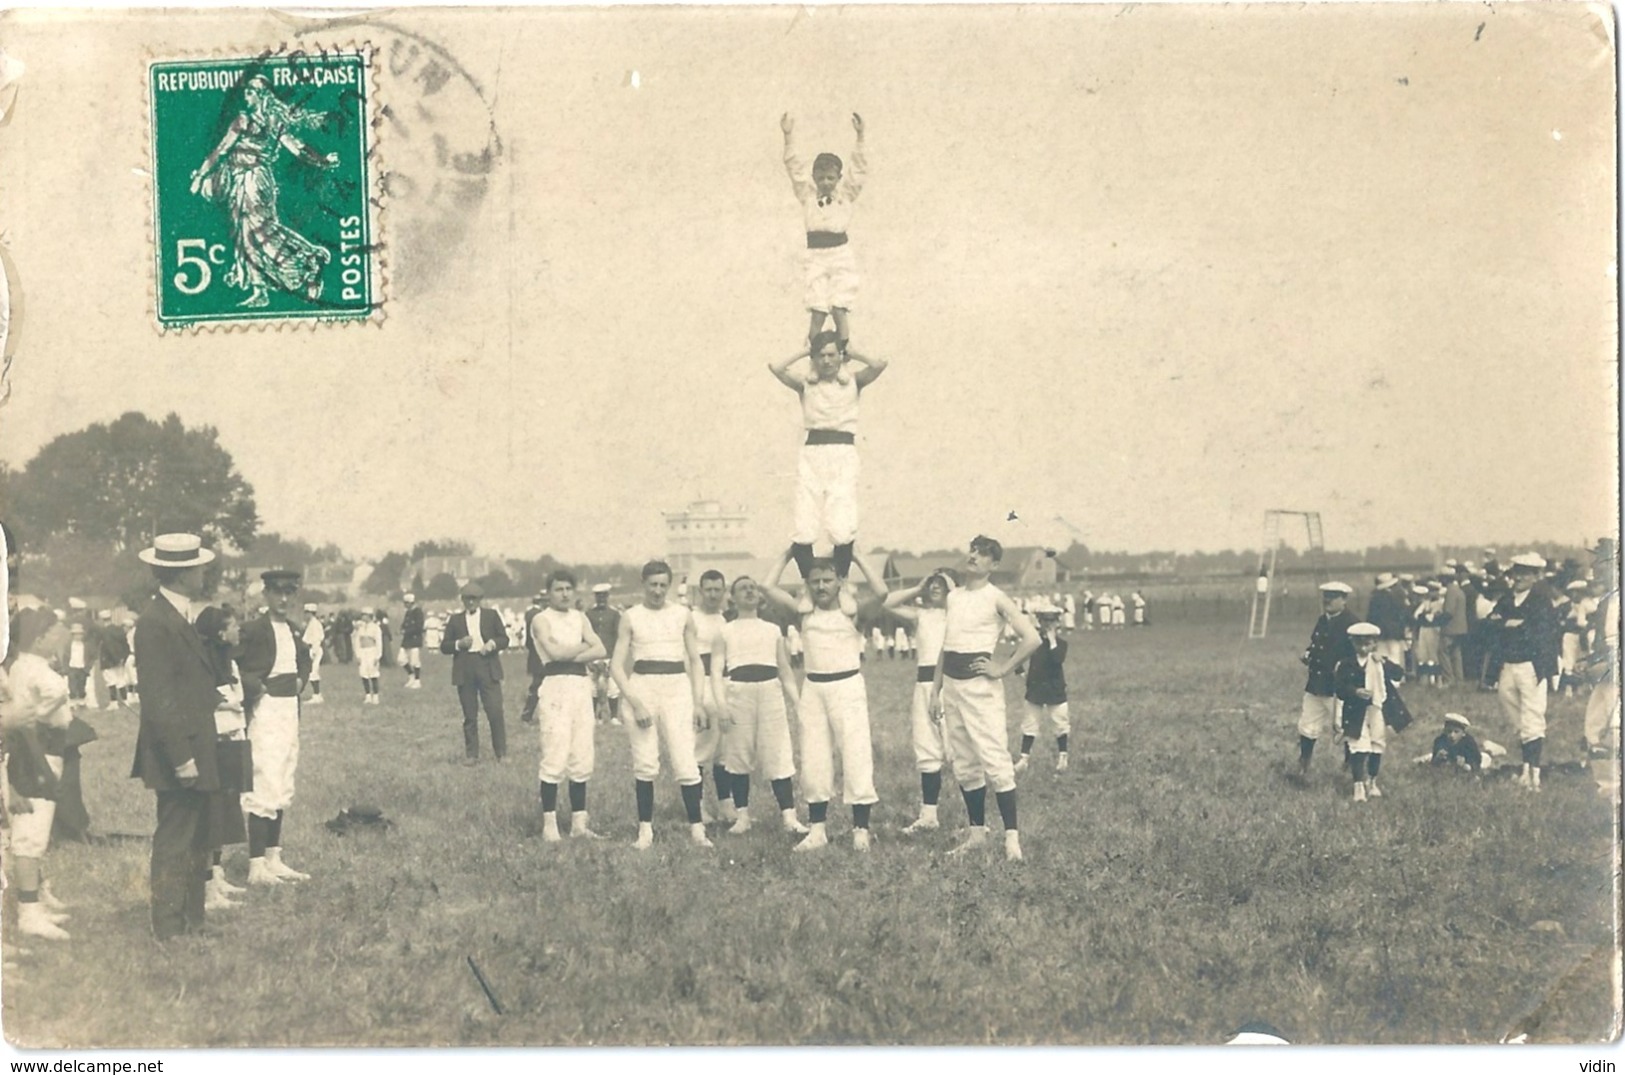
(1456, 746)
(967, 692)
(1046, 690)
(827, 198)
(1363, 684)
(827, 472)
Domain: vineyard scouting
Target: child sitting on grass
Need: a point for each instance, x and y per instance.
(1455, 747)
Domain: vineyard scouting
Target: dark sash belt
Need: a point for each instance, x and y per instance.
(658, 668)
(832, 677)
(564, 668)
(825, 240)
(283, 686)
(830, 436)
(957, 665)
(753, 673)
(926, 674)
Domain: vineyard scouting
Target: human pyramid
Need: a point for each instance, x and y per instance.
(718, 692)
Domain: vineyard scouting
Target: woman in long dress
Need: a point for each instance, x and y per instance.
(239, 173)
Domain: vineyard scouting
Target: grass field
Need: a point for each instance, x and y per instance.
(1176, 886)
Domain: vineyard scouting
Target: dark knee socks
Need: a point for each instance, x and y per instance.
(930, 787)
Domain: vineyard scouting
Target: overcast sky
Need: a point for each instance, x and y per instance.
(1151, 270)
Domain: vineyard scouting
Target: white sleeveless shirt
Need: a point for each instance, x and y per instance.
(751, 641)
(657, 633)
(928, 634)
(707, 625)
(830, 405)
(973, 622)
(564, 628)
(831, 642)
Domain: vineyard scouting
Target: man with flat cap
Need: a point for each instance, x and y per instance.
(175, 745)
(1529, 636)
(275, 665)
(1328, 645)
(474, 639)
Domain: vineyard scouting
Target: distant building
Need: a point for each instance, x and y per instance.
(462, 568)
(705, 530)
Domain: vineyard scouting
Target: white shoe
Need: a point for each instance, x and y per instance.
(1060, 763)
(1021, 764)
(33, 922)
(974, 839)
(224, 885)
(741, 824)
(260, 874)
(793, 824)
(860, 839)
(1012, 847)
(314, 699)
(814, 840)
(1359, 793)
(273, 862)
(1372, 791)
(646, 836)
(550, 834)
(48, 898)
(922, 824)
(216, 900)
(696, 836)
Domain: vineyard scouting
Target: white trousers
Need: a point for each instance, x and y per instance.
(1602, 715)
(832, 277)
(835, 720)
(930, 736)
(1318, 718)
(670, 700)
(273, 732)
(708, 740)
(1032, 714)
(1523, 700)
(31, 832)
(564, 716)
(827, 493)
(978, 738)
(758, 739)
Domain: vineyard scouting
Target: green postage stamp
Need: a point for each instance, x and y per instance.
(263, 201)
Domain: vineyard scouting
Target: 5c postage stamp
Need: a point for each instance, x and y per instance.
(263, 171)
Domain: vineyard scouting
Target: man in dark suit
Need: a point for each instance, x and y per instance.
(474, 638)
(412, 624)
(175, 746)
(1328, 645)
(275, 664)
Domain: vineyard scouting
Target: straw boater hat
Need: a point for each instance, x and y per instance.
(1419, 589)
(409, 598)
(1578, 584)
(1385, 580)
(176, 550)
(1335, 589)
(310, 607)
(1364, 630)
(1529, 561)
(602, 587)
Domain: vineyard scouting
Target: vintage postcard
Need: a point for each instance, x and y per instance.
(784, 525)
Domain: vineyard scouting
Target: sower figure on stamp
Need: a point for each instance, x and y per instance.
(925, 725)
(969, 693)
(1329, 645)
(175, 746)
(827, 471)
(275, 665)
(750, 671)
(474, 639)
(708, 624)
(657, 666)
(834, 706)
(239, 172)
(827, 194)
(564, 640)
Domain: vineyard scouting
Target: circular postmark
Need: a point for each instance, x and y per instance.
(439, 149)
